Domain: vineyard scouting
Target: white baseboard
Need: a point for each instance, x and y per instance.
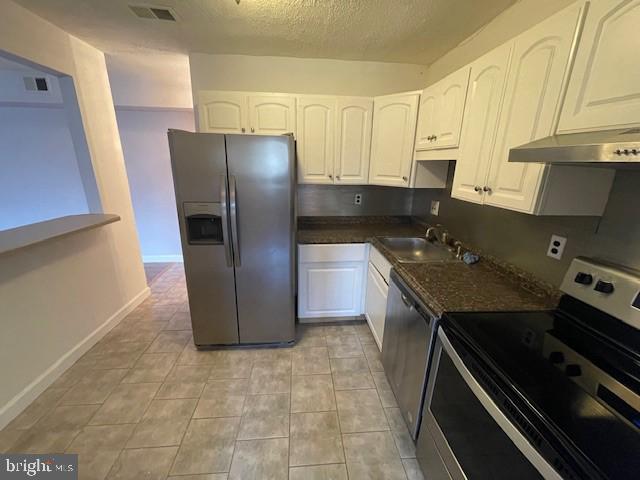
(20, 401)
(162, 258)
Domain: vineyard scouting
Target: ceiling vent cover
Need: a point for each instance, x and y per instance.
(153, 13)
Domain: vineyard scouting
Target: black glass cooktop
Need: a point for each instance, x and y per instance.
(576, 370)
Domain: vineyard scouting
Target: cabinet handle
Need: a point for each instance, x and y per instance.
(330, 176)
(477, 188)
(337, 177)
(405, 178)
(435, 137)
(487, 189)
(252, 130)
(242, 129)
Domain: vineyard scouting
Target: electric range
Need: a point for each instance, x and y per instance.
(540, 394)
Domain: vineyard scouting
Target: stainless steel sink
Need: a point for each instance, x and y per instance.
(416, 250)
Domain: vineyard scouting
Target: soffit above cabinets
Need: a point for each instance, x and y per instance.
(411, 31)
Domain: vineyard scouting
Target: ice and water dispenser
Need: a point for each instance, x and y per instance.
(204, 223)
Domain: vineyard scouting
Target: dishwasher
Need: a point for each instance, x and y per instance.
(409, 334)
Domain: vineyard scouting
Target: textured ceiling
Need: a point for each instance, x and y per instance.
(411, 31)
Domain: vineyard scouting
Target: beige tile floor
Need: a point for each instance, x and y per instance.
(143, 403)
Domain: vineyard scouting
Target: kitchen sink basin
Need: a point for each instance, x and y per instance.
(416, 250)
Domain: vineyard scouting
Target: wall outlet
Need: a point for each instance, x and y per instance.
(357, 199)
(435, 207)
(556, 247)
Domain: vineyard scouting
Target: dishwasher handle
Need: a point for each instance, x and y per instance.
(409, 298)
(406, 301)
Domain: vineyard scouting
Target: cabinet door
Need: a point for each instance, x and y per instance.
(272, 114)
(375, 307)
(353, 140)
(330, 289)
(486, 86)
(453, 92)
(604, 89)
(427, 117)
(534, 86)
(222, 112)
(315, 141)
(392, 143)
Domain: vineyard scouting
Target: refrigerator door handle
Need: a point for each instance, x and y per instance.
(233, 208)
(225, 220)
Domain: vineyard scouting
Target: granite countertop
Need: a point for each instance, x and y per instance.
(446, 286)
(314, 230)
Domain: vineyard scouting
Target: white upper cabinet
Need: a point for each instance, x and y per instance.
(482, 107)
(272, 114)
(441, 109)
(244, 112)
(392, 143)
(222, 112)
(526, 109)
(451, 108)
(604, 89)
(533, 92)
(353, 140)
(427, 121)
(315, 139)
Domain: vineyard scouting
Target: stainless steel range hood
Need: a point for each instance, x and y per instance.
(603, 148)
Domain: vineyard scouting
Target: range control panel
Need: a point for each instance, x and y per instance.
(614, 289)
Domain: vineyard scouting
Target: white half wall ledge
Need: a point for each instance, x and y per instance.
(26, 236)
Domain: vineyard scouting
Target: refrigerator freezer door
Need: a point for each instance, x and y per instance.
(262, 195)
(199, 175)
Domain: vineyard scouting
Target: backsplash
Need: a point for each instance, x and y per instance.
(523, 239)
(338, 200)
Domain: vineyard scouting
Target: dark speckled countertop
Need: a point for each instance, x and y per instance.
(355, 229)
(449, 286)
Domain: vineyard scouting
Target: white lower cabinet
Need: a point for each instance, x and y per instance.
(375, 306)
(331, 280)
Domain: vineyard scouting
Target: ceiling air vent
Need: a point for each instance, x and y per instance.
(153, 13)
(36, 84)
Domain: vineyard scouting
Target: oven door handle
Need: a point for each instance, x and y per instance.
(520, 441)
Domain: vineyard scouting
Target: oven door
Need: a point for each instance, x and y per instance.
(464, 435)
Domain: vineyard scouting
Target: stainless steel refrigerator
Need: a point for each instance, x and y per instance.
(235, 196)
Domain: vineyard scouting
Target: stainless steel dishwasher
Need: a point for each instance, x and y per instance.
(406, 349)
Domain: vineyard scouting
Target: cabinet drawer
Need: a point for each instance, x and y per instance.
(347, 252)
(380, 263)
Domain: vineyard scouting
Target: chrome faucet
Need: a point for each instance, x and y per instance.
(458, 248)
(431, 233)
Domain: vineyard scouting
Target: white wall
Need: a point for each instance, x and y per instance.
(516, 19)
(143, 134)
(150, 80)
(152, 93)
(302, 75)
(13, 91)
(59, 298)
(40, 177)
